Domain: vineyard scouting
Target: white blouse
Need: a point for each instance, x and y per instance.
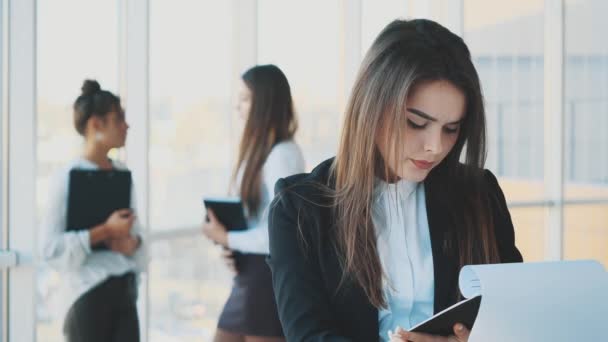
(284, 160)
(404, 247)
(69, 252)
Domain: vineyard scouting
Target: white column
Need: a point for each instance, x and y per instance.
(134, 69)
(22, 168)
(554, 127)
(3, 165)
(350, 52)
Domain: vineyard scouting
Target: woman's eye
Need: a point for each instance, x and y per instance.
(415, 125)
(451, 130)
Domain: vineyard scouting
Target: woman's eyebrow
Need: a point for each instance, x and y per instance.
(428, 117)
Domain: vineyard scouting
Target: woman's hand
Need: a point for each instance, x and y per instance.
(228, 257)
(215, 230)
(461, 334)
(126, 246)
(119, 224)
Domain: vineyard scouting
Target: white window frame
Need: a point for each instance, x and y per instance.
(21, 315)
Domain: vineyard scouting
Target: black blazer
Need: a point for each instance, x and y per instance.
(306, 272)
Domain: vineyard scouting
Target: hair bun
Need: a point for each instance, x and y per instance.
(90, 87)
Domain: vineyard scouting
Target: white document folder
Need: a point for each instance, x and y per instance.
(536, 302)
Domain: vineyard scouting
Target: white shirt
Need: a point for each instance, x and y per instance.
(404, 247)
(69, 252)
(285, 159)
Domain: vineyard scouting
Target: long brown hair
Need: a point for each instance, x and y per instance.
(405, 54)
(271, 120)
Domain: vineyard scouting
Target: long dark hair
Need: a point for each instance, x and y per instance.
(271, 120)
(405, 54)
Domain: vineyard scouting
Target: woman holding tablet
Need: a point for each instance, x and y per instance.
(267, 152)
(374, 239)
(101, 284)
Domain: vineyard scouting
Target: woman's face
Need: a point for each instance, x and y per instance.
(112, 129)
(434, 112)
(243, 101)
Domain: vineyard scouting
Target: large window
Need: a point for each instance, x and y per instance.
(511, 73)
(586, 130)
(196, 51)
(309, 55)
(191, 149)
(75, 40)
(586, 102)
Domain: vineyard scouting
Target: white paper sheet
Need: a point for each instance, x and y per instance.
(536, 302)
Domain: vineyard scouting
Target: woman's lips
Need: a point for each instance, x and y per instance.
(422, 164)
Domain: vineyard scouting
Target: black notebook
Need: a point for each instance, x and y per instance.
(229, 211)
(93, 195)
(464, 312)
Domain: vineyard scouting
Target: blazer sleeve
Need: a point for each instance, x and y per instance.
(505, 233)
(302, 301)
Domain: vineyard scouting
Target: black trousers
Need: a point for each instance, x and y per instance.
(106, 313)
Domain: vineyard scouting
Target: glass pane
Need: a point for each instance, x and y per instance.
(529, 226)
(309, 55)
(375, 15)
(188, 288)
(191, 135)
(586, 232)
(586, 103)
(70, 48)
(511, 73)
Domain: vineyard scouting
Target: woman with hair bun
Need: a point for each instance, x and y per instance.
(101, 284)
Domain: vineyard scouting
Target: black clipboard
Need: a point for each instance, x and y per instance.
(93, 195)
(229, 211)
(464, 312)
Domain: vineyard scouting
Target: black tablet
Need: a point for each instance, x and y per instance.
(93, 195)
(229, 211)
(464, 312)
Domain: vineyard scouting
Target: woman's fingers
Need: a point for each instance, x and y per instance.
(211, 215)
(461, 332)
(227, 253)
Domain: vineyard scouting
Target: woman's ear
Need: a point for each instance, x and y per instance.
(97, 123)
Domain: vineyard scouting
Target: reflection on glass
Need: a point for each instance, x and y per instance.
(511, 73)
(75, 40)
(586, 103)
(586, 232)
(191, 137)
(309, 55)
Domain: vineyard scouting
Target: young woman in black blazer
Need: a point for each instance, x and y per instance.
(374, 239)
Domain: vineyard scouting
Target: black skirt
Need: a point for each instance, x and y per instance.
(251, 309)
(106, 313)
